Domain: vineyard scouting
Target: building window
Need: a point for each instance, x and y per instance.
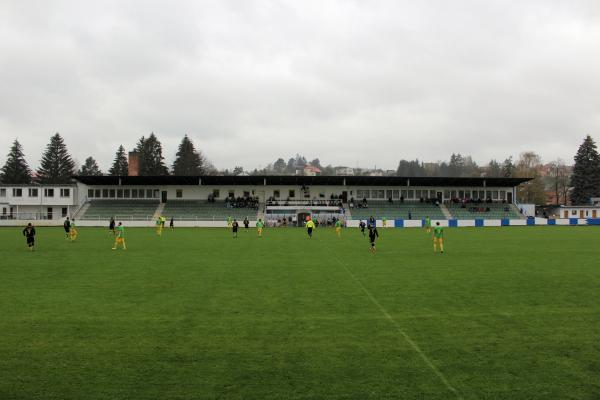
(148, 193)
(141, 193)
(276, 194)
(411, 194)
(64, 212)
(179, 193)
(292, 194)
(495, 195)
(404, 193)
(97, 193)
(3, 210)
(321, 195)
(105, 193)
(502, 195)
(65, 192)
(395, 194)
(33, 192)
(246, 194)
(432, 194)
(111, 193)
(156, 193)
(231, 194)
(119, 193)
(134, 193)
(2, 192)
(90, 193)
(126, 193)
(362, 194)
(17, 192)
(216, 193)
(48, 192)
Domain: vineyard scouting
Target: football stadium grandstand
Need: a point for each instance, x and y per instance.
(280, 200)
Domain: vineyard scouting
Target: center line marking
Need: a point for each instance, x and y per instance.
(407, 338)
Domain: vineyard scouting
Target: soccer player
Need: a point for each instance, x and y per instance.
(172, 223)
(229, 221)
(67, 226)
(372, 237)
(159, 226)
(384, 222)
(438, 237)
(310, 225)
(247, 223)
(234, 228)
(111, 225)
(372, 224)
(428, 224)
(362, 225)
(338, 228)
(29, 233)
(259, 226)
(73, 231)
(163, 220)
(120, 229)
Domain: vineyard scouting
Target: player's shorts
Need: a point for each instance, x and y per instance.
(437, 239)
(119, 240)
(235, 230)
(259, 230)
(30, 241)
(310, 231)
(338, 230)
(67, 229)
(373, 243)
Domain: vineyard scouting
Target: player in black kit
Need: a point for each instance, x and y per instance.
(29, 233)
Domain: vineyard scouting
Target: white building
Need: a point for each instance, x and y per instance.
(35, 202)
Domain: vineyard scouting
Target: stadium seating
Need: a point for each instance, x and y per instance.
(121, 209)
(484, 211)
(398, 210)
(194, 210)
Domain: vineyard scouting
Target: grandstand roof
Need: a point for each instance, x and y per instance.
(300, 180)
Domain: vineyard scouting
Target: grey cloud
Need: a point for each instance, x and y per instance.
(348, 82)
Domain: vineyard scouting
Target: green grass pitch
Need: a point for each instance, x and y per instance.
(505, 313)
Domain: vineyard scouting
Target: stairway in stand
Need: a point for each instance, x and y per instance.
(159, 211)
(446, 211)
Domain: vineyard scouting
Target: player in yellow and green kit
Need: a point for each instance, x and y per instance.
(259, 227)
(159, 226)
(428, 224)
(120, 238)
(438, 237)
(310, 225)
(338, 228)
(229, 221)
(384, 222)
(73, 231)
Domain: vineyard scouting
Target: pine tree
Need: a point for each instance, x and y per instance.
(151, 158)
(188, 161)
(120, 165)
(494, 169)
(586, 173)
(508, 168)
(90, 168)
(57, 166)
(16, 170)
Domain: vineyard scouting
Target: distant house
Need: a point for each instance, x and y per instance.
(344, 171)
(310, 170)
(376, 172)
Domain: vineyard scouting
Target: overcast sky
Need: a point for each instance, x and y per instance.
(351, 82)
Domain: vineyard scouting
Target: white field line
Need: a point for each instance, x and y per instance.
(404, 335)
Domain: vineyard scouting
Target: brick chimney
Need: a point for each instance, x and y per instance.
(134, 163)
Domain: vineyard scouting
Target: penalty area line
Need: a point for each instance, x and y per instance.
(404, 335)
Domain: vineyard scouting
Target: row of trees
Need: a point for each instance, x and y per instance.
(57, 165)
